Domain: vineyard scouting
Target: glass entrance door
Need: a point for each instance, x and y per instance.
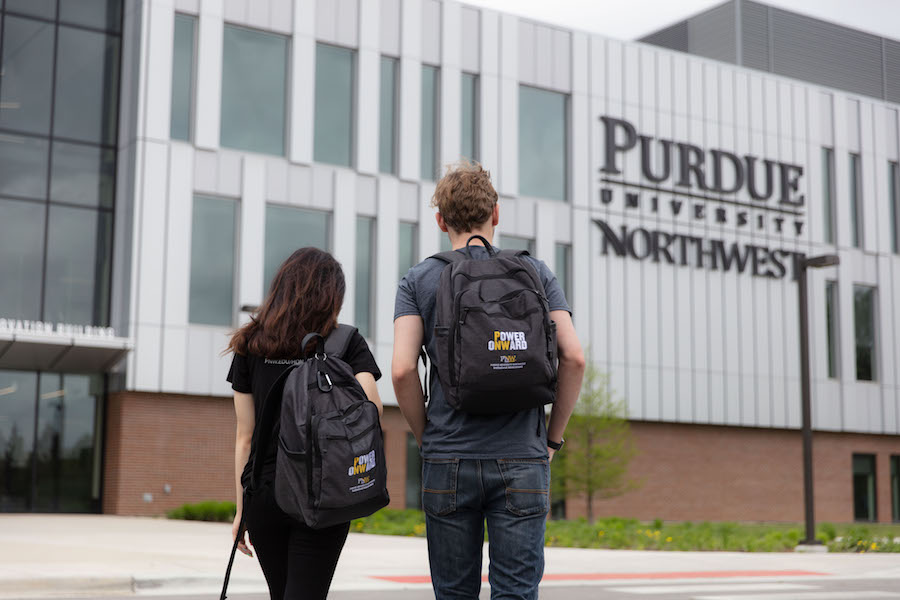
(50, 428)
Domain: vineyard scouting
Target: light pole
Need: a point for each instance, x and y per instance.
(803, 264)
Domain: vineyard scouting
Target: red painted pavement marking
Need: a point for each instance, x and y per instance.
(619, 576)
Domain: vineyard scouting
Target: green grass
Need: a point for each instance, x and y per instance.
(632, 534)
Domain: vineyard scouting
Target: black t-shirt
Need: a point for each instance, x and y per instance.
(255, 375)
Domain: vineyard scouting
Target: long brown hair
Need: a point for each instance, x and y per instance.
(306, 295)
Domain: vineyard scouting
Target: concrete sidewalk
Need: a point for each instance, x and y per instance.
(46, 555)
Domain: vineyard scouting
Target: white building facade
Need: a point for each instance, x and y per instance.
(671, 193)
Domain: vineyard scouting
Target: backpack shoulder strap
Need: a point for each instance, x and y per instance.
(513, 253)
(338, 340)
(268, 418)
(449, 257)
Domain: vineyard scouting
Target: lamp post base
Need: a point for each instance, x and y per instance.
(816, 547)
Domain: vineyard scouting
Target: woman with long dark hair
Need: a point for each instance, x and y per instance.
(306, 296)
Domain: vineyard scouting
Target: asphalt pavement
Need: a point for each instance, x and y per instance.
(102, 556)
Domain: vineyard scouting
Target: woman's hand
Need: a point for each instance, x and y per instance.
(243, 544)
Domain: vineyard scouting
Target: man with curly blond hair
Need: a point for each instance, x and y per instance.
(479, 468)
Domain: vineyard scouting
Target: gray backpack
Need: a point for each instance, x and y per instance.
(330, 465)
(496, 344)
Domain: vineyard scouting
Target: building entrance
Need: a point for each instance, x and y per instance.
(50, 441)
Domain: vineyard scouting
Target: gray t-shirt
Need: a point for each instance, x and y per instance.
(450, 433)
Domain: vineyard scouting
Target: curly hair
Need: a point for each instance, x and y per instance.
(465, 196)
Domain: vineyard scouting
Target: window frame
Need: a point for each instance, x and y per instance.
(874, 367)
(830, 225)
(566, 142)
(435, 125)
(857, 229)
(354, 87)
(192, 92)
(833, 328)
(235, 283)
(873, 500)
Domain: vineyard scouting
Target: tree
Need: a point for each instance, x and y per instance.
(598, 445)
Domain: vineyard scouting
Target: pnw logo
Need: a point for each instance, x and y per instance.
(508, 340)
(362, 464)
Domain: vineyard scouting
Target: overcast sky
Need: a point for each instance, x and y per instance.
(631, 19)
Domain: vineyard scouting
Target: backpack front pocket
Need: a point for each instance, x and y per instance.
(351, 459)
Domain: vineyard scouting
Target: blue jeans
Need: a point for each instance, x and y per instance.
(512, 495)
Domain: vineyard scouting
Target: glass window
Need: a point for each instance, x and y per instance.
(365, 271)
(27, 70)
(213, 230)
(894, 199)
(413, 473)
(87, 88)
(254, 90)
(66, 442)
(856, 218)
(102, 14)
(17, 393)
(38, 8)
(21, 258)
(183, 77)
(446, 246)
(408, 249)
(828, 193)
(23, 166)
(387, 145)
(832, 327)
(864, 318)
(288, 229)
(334, 105)
(864, 506)
(511, 242)
(543, 143)
(895, 488)
(469, 137)
(78, 260)
(564, 269)
(429, 131)
(83, 175)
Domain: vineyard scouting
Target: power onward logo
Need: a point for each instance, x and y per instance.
(362, 464)
(505, 341)
(508, 340)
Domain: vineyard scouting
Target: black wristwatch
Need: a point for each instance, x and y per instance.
(556, 445)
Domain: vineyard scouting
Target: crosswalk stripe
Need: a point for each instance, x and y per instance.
(715, 587)
(847, 595)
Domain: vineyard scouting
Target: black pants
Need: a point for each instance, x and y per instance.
(298, 561)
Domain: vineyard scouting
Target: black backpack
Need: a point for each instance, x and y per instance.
(496, 344)
(330, 465)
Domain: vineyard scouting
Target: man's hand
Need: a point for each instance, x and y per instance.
(550, 452)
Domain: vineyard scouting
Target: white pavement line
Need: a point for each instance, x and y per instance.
(848, 595)
(713, 587)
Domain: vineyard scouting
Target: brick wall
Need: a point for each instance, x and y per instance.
(698, 472)
(687, 472)
(158, 439)
(188, 442)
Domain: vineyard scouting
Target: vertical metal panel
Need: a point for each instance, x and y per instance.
(754, 35)
(470, 40)
(431, 32)
(891, 70)
(561, 79)
(712, 33)
(390, 27)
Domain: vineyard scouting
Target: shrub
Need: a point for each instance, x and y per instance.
(209, 510)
